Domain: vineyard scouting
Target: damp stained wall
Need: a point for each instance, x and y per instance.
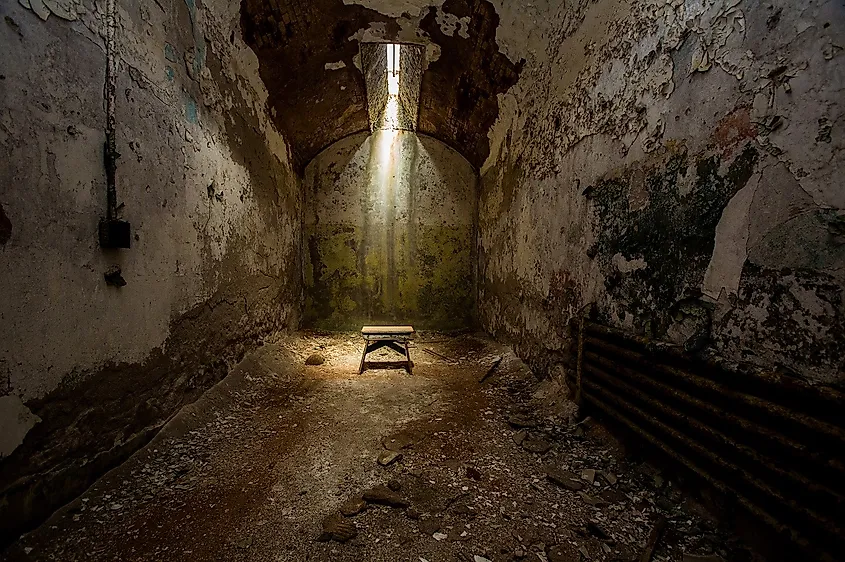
(679, 165)
(89, 371)
(389, 233)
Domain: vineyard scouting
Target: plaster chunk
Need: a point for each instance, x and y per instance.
(725, 268)
(627, 266)
(16, 420)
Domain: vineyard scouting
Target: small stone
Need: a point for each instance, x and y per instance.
(583, 550)
(440, 536)
(478, 558)
(595, 502)
(609, 477)
(463, 509)
(386, 458)
(589, 475)
(565, 479)
(520, 421)
(394, 485)
(383, 495)
(315, 359)
(519, 437)
(338, 529)
(536, 445)
(353, 506)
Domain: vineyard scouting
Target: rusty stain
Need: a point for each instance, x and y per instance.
(734, 128)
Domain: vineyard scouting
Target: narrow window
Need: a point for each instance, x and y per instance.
(393, 57)
(393, 78)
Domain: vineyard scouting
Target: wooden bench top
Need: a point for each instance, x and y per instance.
(387, 331)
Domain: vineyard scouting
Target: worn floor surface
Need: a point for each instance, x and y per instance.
(251, 471)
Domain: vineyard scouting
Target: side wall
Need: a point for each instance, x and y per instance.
(89, 370)
(679, 164)
(390, 233)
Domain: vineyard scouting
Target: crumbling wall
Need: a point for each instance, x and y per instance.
(389, 233)
(675, 163)
(91, 368)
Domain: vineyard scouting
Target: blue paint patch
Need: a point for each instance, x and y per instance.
(192, 9)
(170, 52)
(170, 73)
(191, 111)
(199, 59)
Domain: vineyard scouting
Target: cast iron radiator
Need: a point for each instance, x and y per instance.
(770, 442)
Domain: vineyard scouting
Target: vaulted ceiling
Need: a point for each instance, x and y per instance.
(308, 51)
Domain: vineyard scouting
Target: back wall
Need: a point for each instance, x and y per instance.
(389, 233)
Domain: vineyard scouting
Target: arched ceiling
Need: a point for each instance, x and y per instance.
(308, 56)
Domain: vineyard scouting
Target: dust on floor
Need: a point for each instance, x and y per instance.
(434, 466)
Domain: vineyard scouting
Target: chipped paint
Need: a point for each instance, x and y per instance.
(335, 65)
(676, 163)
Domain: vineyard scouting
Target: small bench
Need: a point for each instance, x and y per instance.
(394, 337)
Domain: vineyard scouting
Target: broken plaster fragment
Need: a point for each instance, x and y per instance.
(38, 7)
(65, 9)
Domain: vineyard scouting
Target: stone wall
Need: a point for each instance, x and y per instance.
(90, 369)
(676, 164)
(389, 233)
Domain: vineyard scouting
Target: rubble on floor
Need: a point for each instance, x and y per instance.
(330, 465)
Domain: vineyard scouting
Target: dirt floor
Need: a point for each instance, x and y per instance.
(434, 466)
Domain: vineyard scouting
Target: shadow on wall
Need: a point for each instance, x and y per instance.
(390, 233)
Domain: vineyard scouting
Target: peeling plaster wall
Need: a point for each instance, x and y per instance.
(390, 233)
(92, 370)
(678, 164)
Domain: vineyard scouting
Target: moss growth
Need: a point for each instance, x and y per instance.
(674, 234)
(355, 277)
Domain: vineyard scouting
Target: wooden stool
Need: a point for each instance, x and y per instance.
(394, 337)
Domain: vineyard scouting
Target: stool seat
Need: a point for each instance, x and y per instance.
(387, 331)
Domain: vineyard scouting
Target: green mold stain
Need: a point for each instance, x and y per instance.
(434, 283)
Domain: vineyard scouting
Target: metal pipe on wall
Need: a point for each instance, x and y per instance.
(770, 442)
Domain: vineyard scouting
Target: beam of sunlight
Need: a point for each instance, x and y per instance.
(383, 172)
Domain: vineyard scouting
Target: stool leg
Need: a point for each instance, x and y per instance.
(408, 359)
(363, 357)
